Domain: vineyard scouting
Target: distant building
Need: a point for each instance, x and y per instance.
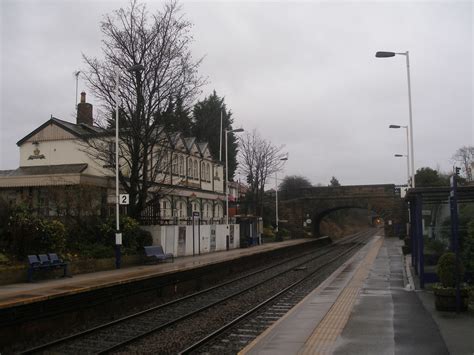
(59, 176)
(237, 192)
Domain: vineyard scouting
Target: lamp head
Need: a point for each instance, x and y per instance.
(398, 155)
(384, 54)
(394, 126)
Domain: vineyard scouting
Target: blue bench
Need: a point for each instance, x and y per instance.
(40, 262)
(155, 253)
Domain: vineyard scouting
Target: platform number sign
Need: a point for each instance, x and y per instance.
(124, 199)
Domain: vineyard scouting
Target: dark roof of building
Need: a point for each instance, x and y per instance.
(85, 131)
(189, 142)
(6, 172)
(202, 147)
(79, 130)
(45, 170)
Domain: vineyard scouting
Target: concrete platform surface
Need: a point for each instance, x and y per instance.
(24, 293)
(366, 307)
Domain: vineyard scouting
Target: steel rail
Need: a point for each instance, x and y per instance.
(230, 324)
(201, 309)
(101, 327)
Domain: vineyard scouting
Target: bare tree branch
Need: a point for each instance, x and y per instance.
(161, 43)
(258, 160)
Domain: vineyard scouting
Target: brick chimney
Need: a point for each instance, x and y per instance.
(84, 111)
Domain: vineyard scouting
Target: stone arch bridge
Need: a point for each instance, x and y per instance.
(316, 202)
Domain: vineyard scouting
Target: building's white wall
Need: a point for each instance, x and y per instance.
(219, 182)
(167, 237)
(60, 152)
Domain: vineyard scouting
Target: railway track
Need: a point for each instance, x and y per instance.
(166, 318)
(240, 331)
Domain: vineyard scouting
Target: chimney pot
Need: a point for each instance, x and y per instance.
(84, 111)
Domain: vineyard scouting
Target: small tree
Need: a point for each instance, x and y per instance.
(425, 177)
(334, 182)
(292, 184)
(446, 270)
(465, 157)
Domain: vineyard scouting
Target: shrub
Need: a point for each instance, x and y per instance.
(268, 233)
(133, 237)
(468, 247)
(4, 260)
(436, 246)
(446, 270)
(29, 234)
(52, 234)
(96, 251)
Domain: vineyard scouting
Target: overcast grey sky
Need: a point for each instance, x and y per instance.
(303, 74)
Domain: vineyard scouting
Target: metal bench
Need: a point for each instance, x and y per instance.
(45, 262)
(155, 253)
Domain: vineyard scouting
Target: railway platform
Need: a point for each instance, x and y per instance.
(28, 293)
(368, 306)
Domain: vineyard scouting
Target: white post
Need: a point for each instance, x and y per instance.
(226, 182)
(276, 202)
(411, 122)
(408, 160)
(117, 166)
(220, 140)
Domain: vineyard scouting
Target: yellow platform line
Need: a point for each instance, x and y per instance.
(324, 336)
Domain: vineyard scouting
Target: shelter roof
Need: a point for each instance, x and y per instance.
(440, 194)
(46, 170)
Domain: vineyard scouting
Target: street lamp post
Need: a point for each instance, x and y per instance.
(409, 181)
(412, 155)
(276, 197)
(408, 169)
(118, 235)
(227, 173)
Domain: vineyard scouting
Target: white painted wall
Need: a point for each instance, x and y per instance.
(168, 236)
(61, 152)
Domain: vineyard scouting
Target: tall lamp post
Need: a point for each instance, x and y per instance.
(276, 196)
(406, 54)
(408, 170)
(137, 68)
(227, 173)
(409, 181)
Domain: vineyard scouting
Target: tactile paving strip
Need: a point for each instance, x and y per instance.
(323, 338)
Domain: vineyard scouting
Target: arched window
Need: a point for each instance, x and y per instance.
(181, 209)
(164, 162)
(218, 211)
(190, 168)
(196, 170)
(203, 171)
(175, 164)
(181, 165)
(207, 210)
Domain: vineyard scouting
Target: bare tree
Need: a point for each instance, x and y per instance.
(465, 157)
(258, 159)
(160, 43)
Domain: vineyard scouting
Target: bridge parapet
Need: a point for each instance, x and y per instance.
(387, 190)
(316, 202)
